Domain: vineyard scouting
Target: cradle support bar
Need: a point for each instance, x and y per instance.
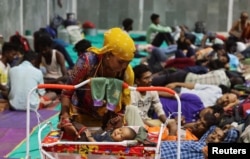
(121, 143)
(178, 126)
(164, 89)
(40, 138)
(56, 86)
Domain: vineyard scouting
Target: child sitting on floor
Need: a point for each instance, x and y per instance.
(115, 135)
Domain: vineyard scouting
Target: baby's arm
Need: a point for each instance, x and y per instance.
(89, 136)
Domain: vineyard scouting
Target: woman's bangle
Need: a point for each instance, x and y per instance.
(82, 130)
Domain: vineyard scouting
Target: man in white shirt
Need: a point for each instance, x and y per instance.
(144, 101)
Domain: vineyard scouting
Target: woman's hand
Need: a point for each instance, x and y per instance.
(89, 136)
(71, 131)
(115, 122)
(68, 128)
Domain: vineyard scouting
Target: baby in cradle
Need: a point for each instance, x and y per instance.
(116, 135)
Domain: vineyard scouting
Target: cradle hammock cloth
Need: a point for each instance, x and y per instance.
(108, 89)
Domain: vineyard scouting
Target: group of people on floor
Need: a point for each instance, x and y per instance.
(48, 61)
(203, 78)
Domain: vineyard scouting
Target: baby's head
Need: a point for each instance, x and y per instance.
(123, 133)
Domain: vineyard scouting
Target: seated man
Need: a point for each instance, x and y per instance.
(52, 60)
(9, 51)
(145, 101)
(57, 44)
(127, 26)
(157, 34)
(240, 27)
(30, 77)
(185, 46)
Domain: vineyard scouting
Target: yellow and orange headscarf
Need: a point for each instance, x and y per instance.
(121, 45)
(118, 42)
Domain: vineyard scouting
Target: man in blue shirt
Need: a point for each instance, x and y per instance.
(22, 79)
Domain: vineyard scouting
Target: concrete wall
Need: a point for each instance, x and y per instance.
(109, 13)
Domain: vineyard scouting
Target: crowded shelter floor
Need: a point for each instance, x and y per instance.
(13, 123)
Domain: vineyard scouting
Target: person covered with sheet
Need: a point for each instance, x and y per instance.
(110, 63)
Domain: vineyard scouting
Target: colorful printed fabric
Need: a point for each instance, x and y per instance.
(94, 151)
